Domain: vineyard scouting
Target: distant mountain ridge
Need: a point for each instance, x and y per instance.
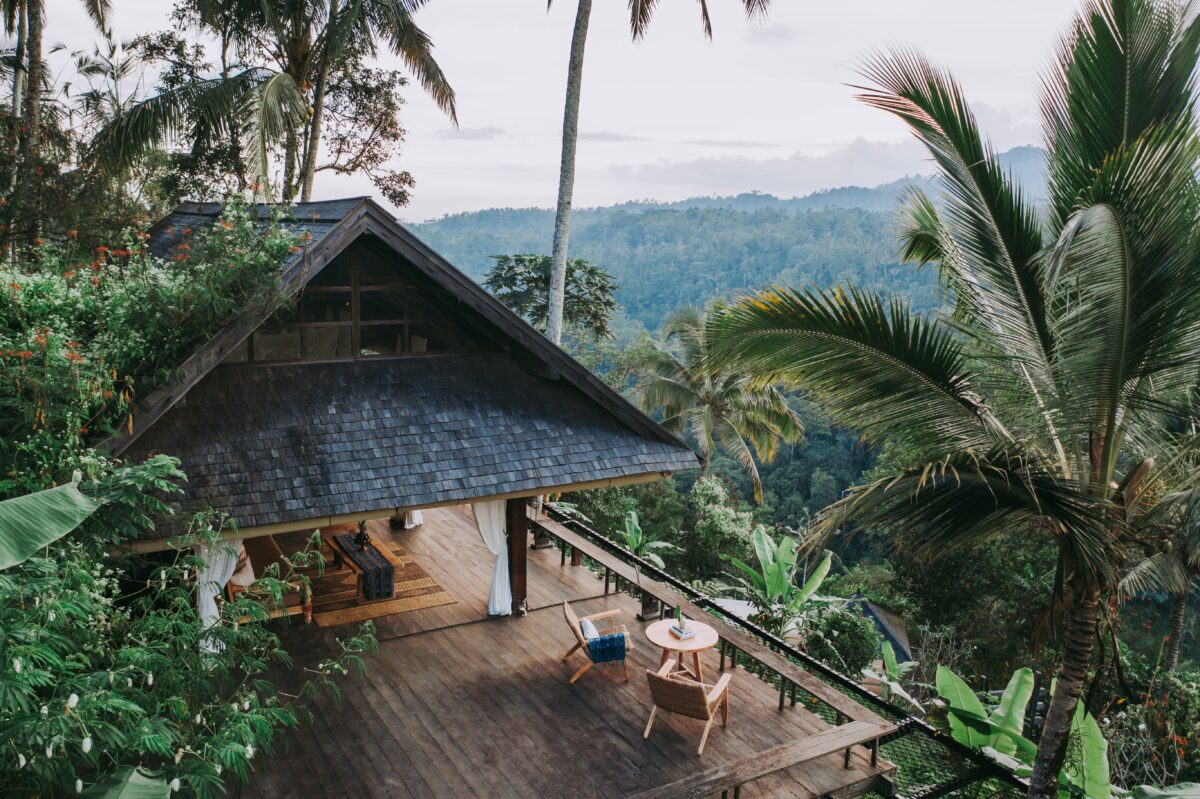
(689, 251)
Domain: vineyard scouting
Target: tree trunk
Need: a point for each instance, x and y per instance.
(29, 182)
(291, 147)
(566, 174)
(1076, 659)
(1178, 613)
(312, 148)
(18, 80)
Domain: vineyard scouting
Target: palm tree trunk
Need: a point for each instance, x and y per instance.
(1076, 658)
(566, 174)
(1178, 613)
(29, 181)
(313, 144)
(18, 79)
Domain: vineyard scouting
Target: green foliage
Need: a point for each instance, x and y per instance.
(641, 544)
(841, 639)
(82, 337)
(771, 585)
(102, 669)
(33, 521)
(522, 282)
(711, 406)
(663, 257)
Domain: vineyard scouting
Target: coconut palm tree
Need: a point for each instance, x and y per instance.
(1072, 330)
(283, 102)
(640, 13)
(712, 406)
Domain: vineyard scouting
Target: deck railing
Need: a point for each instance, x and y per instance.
(929, 763)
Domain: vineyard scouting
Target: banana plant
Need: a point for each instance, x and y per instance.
(641, 544)
(890, 678)
(772, 586)
(998, 733)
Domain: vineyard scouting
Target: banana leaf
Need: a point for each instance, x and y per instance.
(32, 521)
(815, 579)
(1184, 790)
(1009, 716)
(129, 783)
(969, 724)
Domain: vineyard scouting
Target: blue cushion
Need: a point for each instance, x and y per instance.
(607, 649)
(588, 629)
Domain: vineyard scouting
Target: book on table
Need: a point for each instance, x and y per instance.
(681, 634)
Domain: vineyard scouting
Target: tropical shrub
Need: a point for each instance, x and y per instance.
(83, 335)
(841, 639)
(770, 586)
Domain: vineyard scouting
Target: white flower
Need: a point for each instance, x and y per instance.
(199, 719)
(150, 678)
(1142, 727)
(51, 616)
(128, 682)
(49, 750)
(21, 761)
(249, 751)
(218, 770)
(178, 756)
(45, 711)
(235, 707)
(246, 705)
(175, 785)
(17, 665)
(86, 746)
(162, 579)
(78, 786)
(72, 701)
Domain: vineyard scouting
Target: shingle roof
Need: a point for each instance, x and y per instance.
(285, 443)
(293, 442)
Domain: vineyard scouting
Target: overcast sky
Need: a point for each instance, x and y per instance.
(764, 106)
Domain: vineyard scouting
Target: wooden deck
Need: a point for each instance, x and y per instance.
(458, 705)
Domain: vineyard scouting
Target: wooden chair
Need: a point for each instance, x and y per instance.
(582, 643)
(678, 694)
(262, 552)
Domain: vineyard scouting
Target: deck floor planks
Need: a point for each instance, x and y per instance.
(459, 705)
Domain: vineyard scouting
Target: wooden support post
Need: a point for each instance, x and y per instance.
(576, 557)
(793, 694)
(607, 574)
(518, 558)
(874, 753)
(724, 644)
(783, 684)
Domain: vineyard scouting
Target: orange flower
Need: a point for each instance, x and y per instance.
(95, 281)
(74, 234)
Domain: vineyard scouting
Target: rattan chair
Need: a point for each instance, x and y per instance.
(678, 694)
(582, 643)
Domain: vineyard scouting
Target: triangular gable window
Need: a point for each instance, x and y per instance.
(361, 305)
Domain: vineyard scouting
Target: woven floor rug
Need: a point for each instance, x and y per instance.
(334, 595)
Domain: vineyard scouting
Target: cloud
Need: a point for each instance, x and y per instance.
(609, 136)
(489, 133)
(733, 144)
(860, 163)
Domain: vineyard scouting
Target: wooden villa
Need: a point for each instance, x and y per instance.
(395, 392)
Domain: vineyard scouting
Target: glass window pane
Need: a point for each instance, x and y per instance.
(325, 306)
(277, 345)
(381, 305)
(332, 341)
(381, 340)
(336, 273)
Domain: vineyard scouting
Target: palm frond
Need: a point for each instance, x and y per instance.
(394, 21)
(894, 376)
(268, 111)
(964, 500)
(1126, 68)
(994, 229)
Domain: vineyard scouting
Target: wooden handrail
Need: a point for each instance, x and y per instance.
(739, 639)
(736, 774)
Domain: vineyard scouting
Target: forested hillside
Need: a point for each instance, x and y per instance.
(663, 255)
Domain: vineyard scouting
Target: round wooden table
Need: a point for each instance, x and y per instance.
(706, 637)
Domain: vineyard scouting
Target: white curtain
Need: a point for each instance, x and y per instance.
(413, 518)
(220, 561)
(489, 518)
